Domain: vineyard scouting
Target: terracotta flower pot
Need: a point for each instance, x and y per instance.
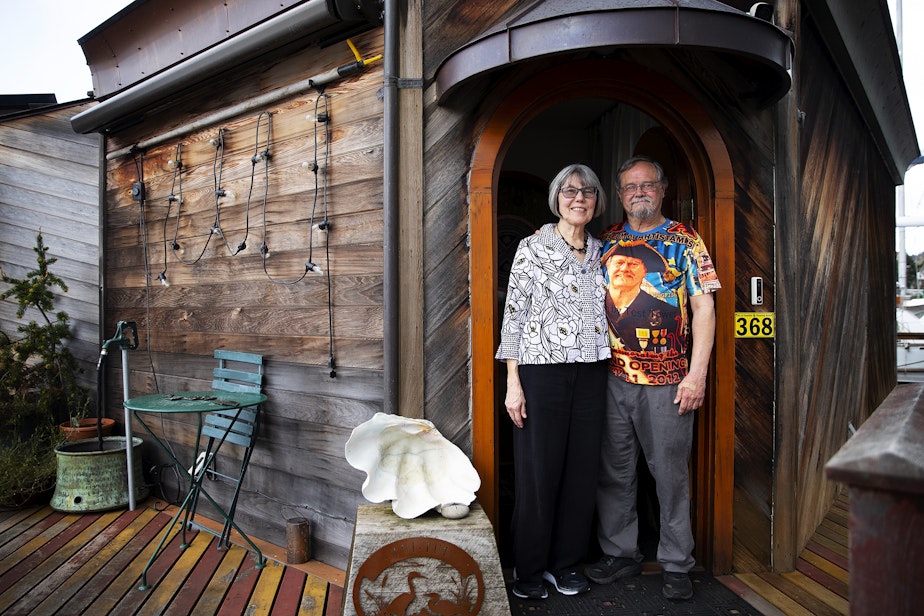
(86, 428)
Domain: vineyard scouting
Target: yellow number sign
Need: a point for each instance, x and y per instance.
(755, 325)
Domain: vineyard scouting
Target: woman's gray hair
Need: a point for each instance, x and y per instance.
(588, 179)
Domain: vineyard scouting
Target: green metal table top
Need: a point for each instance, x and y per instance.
(193, 401)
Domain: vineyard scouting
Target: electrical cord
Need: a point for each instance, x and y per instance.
(156, 473)
(175, 195)
(257, 157)
(313, 166)
(217, 168)
(326, 227)
(139, 166)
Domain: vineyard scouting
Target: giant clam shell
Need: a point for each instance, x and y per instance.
(410, 463)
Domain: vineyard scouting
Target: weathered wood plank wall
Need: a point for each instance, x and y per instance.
(221, 300)
(49, 179)
(452, 132)
(847, 292)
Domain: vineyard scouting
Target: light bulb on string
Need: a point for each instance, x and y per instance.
(163, 278)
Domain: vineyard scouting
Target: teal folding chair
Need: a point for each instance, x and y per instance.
(236, 371)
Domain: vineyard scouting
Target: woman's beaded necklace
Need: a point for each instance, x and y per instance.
(582, 250)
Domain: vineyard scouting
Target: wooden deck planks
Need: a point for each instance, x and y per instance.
(129, 526)
(820, 584)
(290, 593)
(59, 584)
(261, 600)
(210, 601)
(54, 563)
(36, 567)
(736, 585)
(236, 600)
(801, 595)
(315, 596)
(29, 538)
(837, 602)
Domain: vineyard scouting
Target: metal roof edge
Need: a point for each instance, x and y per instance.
(529, 35)
(866, 53)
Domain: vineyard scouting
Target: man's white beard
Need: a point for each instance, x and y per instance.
(644, 209)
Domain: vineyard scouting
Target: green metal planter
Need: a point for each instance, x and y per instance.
(94, 480)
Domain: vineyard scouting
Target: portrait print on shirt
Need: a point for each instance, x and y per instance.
(649, 279)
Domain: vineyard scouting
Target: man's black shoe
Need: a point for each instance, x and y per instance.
(611, 568)
(677, 586)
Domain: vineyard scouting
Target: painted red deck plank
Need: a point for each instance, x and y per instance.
(30, 562)
(831, 583)
(187, 597)
(290, 593)
(239, 594)
(101, 582)
(334, 600)
(828, 554)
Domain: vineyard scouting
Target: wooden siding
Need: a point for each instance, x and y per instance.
(846, 237)
(49, 179)
(225, 301)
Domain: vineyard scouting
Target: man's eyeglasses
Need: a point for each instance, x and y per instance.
(646, 187)
(570, 192)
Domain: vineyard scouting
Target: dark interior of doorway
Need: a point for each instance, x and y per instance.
(586, 131)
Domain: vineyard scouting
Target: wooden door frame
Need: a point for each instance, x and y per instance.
(702, 144)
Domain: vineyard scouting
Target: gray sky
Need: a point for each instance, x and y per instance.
(38, 43)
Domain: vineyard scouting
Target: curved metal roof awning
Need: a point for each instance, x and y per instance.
(551, 27)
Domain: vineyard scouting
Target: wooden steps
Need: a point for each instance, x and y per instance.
(820, 584)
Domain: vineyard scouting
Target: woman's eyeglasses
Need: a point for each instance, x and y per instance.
(570, 192)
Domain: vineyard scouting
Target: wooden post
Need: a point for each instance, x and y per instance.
(298, 541)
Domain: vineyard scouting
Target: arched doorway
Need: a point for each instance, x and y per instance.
(708, 183)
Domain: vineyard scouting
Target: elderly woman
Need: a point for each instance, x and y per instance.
(554, 342)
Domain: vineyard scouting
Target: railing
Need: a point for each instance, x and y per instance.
(883, 465)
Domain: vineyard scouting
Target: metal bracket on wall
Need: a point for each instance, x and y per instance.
(407, 83)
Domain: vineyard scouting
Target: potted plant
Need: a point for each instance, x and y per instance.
(39, 386)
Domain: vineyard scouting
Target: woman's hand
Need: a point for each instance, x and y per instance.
(515, 401)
